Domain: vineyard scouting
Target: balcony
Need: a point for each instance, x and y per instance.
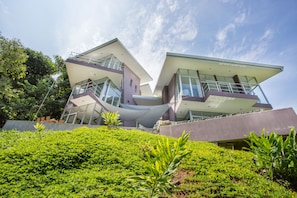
(224, 98)
(103, 89)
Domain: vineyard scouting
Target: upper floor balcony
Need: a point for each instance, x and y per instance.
(110, 61)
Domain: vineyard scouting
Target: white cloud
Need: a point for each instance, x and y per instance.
(184, 29)
(268, 34)
(254, 52)
(240, 18)
(173, 5)
(221, 36)
(152, 31)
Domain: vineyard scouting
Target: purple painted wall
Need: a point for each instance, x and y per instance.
(169, 93)
(131, 85)
(235, 127)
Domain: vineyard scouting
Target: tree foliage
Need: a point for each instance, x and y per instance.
(12, 68)
(25, 78)
(12, 59)
(38, 65)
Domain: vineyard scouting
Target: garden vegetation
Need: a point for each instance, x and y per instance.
(101, 162)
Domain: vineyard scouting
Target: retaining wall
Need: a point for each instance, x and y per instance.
(22, 125)
(235, 127)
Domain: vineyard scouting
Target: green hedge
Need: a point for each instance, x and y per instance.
(97, 162)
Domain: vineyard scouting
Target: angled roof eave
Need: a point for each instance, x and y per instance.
(115, 47)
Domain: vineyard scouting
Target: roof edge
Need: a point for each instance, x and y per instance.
(116, 40)
(226, 61)
(102, 45)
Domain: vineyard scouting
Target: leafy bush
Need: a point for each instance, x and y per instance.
(275, 156)
(111, 119)
(162, 162)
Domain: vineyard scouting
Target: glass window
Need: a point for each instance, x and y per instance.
(186, 89)
(225, 79)
(113, 95)
(205, 77)
(189, 83)
(195, 86)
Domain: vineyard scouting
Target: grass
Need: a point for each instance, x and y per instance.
(97, 162)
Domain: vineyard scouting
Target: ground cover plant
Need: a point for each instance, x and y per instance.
(99, 162)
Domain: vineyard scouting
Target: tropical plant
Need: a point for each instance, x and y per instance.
(276, 157)
(39, 127)
(162, 162)
(111, 119)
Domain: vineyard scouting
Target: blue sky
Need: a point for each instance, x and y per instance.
(262, 31)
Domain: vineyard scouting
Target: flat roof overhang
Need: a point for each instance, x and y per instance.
(215, 66)
(147, 100)
(220, 103)
(116, 48)
(146, 90)
(79, 71)
(82, 99)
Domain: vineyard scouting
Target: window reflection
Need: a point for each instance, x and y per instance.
(189, 83)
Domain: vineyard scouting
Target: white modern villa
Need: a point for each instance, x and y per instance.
(109, 78)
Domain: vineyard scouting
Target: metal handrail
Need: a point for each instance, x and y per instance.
(242, 88)
(88, 86)
(107, 61)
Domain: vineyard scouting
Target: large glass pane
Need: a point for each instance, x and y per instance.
(113, 94)
(205, 77)
(190, 85)
(195, 87)
(186, 89)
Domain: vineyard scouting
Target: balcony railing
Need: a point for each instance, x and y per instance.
(109, 61)
(239, 88)
(85, 86)
(105, 91)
